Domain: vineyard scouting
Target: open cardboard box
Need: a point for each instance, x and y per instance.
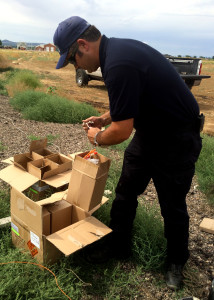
(37, 150)
(52, 229)
(35, 225)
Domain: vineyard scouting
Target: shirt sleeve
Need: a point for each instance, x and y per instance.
(125, 88)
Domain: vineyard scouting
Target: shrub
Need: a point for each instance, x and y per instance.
(205, 168)
(43, 107)
(4, 63)
(4, 203)
(22, 80)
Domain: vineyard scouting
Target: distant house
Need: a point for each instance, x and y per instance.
(21, 46)
(39, 48)
(49, 47)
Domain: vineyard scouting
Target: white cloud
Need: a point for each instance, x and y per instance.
(145, 20)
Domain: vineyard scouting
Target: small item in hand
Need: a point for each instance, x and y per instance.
(88, 124)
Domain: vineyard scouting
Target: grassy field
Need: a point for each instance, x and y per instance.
(78, 279)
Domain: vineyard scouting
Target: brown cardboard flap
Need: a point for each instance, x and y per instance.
(53, 198)
(38, 144)
(59, 179)
(9, 160)
(103, 201)
(21, 160)
(78, 235)
(17, 177)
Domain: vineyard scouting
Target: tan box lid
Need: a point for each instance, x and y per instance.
(21, 180)
(17, 178)
(38, 144)
(78, 235)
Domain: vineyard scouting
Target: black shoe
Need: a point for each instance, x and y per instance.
(105, 249)
(174, 276)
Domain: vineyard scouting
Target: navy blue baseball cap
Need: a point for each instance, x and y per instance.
(67, 32)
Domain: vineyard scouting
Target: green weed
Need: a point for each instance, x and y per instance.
(22, 80)
(43, 107)
(205, 168)
(4, 203)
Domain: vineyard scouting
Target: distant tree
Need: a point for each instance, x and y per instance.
(213, 57)
(194, 56)
(179, 55)
(0, 43)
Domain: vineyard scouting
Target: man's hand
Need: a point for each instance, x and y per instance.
(91, 134)
(93, 122)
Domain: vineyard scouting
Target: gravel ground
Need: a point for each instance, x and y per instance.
(14, 132)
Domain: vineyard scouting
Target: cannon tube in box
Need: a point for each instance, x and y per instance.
(87, 182)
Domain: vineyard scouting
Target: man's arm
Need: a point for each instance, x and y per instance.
(116, 133)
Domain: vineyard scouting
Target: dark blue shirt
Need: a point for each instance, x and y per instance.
(142, 84)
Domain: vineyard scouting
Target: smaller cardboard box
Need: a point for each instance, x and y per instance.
(87, 182)
(51, 165)
(37, 150)
(42, 168)
(60, 213)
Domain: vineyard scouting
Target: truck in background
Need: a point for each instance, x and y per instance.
(188, 68)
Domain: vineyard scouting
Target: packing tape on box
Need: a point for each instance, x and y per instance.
(31, 211)
(76, 242)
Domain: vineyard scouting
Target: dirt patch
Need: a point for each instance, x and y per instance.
(14, 132)
(96, 94)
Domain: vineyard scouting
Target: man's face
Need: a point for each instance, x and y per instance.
(86, 61)
(83, 57)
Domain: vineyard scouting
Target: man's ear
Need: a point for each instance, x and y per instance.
(83, 44)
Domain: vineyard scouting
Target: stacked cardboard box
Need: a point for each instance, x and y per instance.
(62, 222)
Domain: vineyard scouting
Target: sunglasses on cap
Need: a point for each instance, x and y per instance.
(70, 58)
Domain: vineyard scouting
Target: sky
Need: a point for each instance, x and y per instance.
(181, 27)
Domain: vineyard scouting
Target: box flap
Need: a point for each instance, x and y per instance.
(38, 144)
(17, 178)
(53, 198)
(78, 235)
(21, 180)
(9, 160)
(59, 179)
(103, 201)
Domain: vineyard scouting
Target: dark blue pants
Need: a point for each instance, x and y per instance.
(171, 166)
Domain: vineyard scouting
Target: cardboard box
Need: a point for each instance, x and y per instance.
(87, 181)
(60, 213)
(37, 151)
(32, 222)
(30, 219)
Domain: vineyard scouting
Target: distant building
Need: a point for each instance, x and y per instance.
(48, 48)
(21, 46)
(39, 48)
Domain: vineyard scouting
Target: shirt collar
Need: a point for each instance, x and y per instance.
(102, 52)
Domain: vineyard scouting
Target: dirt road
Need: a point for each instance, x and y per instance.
(96, 93)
